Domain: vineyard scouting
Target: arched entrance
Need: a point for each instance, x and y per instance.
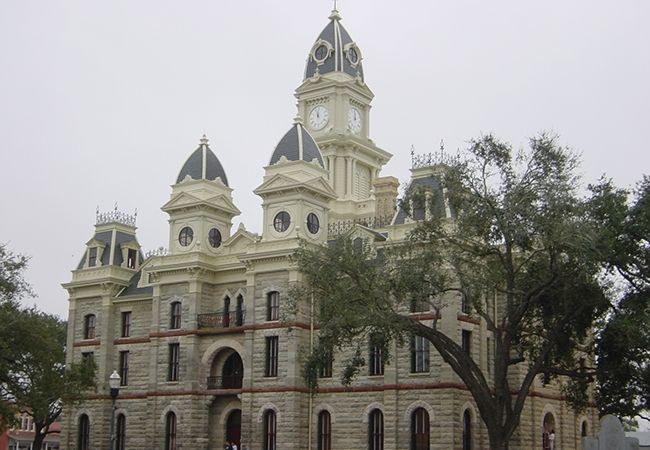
(233, 372)
(548, 432)
(233, 427)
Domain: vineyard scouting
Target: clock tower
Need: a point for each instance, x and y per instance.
(334, 101)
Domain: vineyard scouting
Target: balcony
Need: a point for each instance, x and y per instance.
(225, 382)
(221, 320)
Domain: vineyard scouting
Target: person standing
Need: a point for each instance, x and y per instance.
(551, 440)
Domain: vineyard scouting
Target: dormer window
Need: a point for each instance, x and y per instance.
(92, 257)
(132, 258)
(89, 326)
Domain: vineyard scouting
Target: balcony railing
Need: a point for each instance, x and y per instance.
(225, 382)
(221, 320)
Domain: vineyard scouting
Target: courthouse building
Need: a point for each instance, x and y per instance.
(200, 333)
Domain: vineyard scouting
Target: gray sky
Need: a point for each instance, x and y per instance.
(102, 101)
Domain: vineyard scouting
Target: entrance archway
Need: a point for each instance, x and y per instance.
(233, 372)
(233, 427)
(548, 432)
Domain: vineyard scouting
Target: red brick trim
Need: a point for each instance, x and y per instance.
(86, 343)
(133, 340)
(468, 319)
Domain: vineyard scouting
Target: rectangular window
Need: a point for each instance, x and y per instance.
(132, 258)
(376, 356)
(419, 354)
(467, 341)
(325, 370)
(173, 371)
(89, 326)
(126, 323)
(271, 369)
(273, 306)
(124, 368)
(92, 257)
(239, 319)
(176, 312)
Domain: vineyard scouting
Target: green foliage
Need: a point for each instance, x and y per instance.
(521, 241)
(33, 375)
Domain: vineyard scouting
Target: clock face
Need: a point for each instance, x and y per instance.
(318, 117)
(354, 120)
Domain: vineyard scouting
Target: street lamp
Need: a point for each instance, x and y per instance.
(114, 383)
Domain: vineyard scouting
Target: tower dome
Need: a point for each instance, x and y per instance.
(334, 51)
(203, 165)
(297, 144)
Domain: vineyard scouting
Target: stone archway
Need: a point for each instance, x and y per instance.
(548, 432)
(233, 427)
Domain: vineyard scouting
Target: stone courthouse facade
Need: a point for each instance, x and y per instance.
(200, 333)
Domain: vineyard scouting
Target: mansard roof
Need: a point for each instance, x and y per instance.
(203, 164)
(334, 51)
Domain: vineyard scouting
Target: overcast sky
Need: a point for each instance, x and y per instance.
(102, 101)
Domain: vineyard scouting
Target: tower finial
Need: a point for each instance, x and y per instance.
(204, 140)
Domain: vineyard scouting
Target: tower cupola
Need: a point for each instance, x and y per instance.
(334, 51)
(297, 144)
(202, 165)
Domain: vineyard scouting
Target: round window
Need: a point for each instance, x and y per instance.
(320, 53)
(312, 223)
(214, 238)
(281, 221)
(353, 56)
(186, 236)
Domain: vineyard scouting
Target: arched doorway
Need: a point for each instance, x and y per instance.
(233, 372)
(548, 432)
(233, 427)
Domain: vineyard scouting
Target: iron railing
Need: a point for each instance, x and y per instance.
(225, 382)
(221, 319)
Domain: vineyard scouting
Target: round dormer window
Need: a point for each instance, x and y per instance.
(214, 238)
(313, 225)
(353, 55)
(282, 221)
(320, 53)
(186, 236)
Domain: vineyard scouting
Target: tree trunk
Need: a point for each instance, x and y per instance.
(38, 440)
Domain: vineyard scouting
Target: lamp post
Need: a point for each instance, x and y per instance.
(114, 383)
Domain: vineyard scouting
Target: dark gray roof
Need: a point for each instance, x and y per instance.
(203, 164)
(105, 237)
(133, 289)
(297, 144)
(339, 59)
(432, 184)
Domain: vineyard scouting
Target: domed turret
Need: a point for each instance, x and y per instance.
(334, 51)
(297, 144)
(203, 165)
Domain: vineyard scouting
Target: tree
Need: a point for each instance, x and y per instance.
(34, 378)
(520, 252)
(623, 346)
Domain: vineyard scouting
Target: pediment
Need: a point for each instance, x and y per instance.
(242, 239)
(187, 200)
(364, 233)
(180, 201)
(282, 182)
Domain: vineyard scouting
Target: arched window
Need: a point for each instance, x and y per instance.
(239, 319)
(467, 430)
(273, 306)
(226, 312)
(120, 433)
(83, 440)
(324, 431)
(89, 326)
(175, 321)
(270, 428)
(170, 431)
(584, 429)
(376, 430)
(420, 429)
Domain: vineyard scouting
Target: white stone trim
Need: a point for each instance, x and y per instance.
(168, 409)
(229, 408)
(215, 348)
(266, 407)
(325, 407)
(415, 405)
(370, 407)
(468, 406)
